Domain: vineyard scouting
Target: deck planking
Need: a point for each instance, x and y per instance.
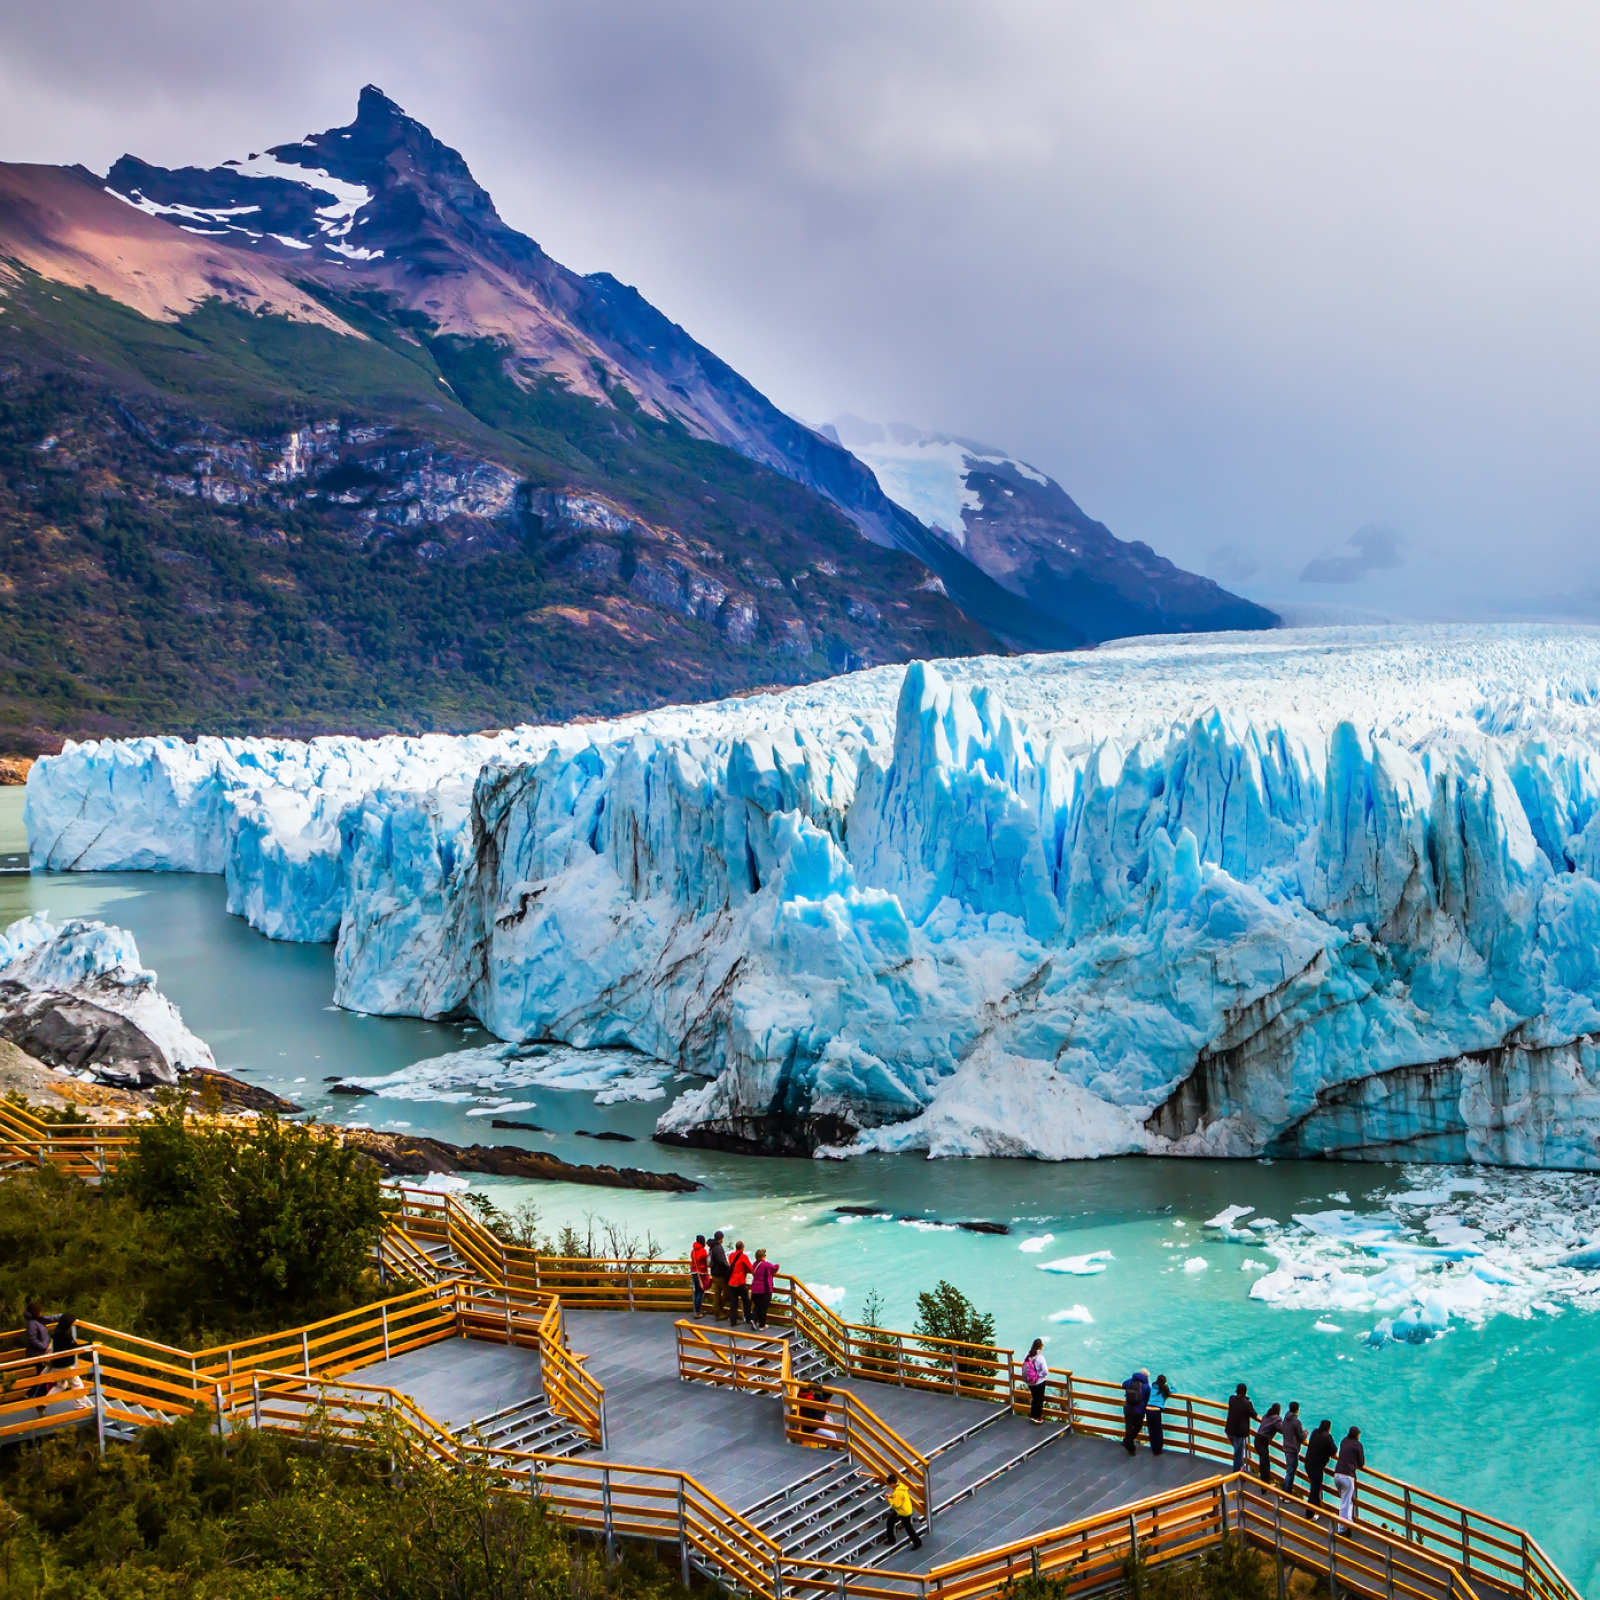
(733, 1442)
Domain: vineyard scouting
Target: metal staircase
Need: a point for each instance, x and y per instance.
(524, 1427)
(832, 1514)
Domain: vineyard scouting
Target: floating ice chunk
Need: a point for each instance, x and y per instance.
(462, 1074)
(1586, 1259)
(1079, 1266)
(1196, 1264)
(1247, 1265)
(829, 1294)
(500, 1110)
(1326, 1327)
(1228, 1216)
(1072, 1314)
(1032, 1247)
(1438, 1195)
(1340, 1196)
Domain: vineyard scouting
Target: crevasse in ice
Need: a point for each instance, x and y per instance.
(1294, 893)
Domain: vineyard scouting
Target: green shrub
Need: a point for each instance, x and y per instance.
(183, 1515)
(272, 1215)
(946, 1313)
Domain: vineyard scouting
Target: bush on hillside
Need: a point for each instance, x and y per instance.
(206, 1232)
(272, 1214)
(184, 1514)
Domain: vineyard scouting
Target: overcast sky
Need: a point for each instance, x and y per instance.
(1303, 295)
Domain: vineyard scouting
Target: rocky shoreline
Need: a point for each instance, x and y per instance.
(405, 1155)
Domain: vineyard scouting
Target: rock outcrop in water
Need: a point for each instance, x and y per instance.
(78, 998)
(1318, 893)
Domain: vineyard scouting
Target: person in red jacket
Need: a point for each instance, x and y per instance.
(761, 1276)
(699, 1271)
(738, 1284)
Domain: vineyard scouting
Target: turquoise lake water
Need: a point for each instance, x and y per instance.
(1495, 1415)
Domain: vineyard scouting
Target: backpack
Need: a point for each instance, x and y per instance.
(1133, 1394)
(1033, 1370)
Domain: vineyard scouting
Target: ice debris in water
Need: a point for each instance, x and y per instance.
(997, 906)
(1196, 1264)
(1071, 1314)
(1033, 1246)
(464, 1075)
(1502, 1243)
(1079, 1266)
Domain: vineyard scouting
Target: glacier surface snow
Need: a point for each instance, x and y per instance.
(1297, 893)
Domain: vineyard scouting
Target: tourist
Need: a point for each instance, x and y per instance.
(761, 1276)
(898, 1494)
(738, 1284)
(36, 1334)
(1036, 1374)
(1241, 1413)
(813, 1408)
(1135, 1397)
(1294, 1437)
(1320, 1450)
(1160, 1394)
(62, 1343)
(699, 1271)
(1269, 1426)
(719, 1277)
(1352, 1458)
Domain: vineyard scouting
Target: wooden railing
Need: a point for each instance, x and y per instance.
(85, 1149)
(730, 1359)
(1480, 1546)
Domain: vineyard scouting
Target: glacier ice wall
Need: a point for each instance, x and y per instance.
(1302, 893)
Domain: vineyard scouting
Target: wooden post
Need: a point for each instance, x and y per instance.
(900, 1358)
(1277, 1544)
(100, 1420)
(848, 1372)
(777, 1576)
(255, 1395)
(305, 1351)
(508, 1318)
(629, 1276)
(1388, 1570)
(1409, 1539)
(1188, 1412)
(1333, 1557)
(683, 1536)
(217, 1387)
(1133, 1534)
(605, 1508)
(383, 1317)
(1033, 1560)
(1466, 1548)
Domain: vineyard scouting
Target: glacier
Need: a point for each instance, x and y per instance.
(1303, 893)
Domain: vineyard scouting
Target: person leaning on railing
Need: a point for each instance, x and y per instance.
(1352, 1458)
(36, 1334)
(719, 1277)
(761, 1276)
(1320, 1450)
(738, 1285)
(1241, 1413)
(1294, 1437)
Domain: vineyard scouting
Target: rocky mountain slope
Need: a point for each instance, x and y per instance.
(313, 440)
(1024, 530)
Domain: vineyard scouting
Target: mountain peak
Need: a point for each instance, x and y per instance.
(375, 106)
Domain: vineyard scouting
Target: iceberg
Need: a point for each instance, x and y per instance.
(1317, 893)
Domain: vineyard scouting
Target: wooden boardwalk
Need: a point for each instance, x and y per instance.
(733, 1442)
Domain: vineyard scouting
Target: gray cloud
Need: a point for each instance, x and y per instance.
(1369, 549)
(1232, 275)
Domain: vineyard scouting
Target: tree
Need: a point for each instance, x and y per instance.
(946, 1313)
(271, 1214)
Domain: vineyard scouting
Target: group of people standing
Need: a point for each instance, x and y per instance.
(1347, 1457)
(733, 1281)
(1145, 1400)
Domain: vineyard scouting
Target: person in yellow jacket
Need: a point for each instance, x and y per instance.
(900, 1508)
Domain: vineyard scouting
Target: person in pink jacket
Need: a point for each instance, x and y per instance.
(761, 1276)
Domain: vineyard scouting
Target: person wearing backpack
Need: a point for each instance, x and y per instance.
(1241, 1413)
(738, 1285)
(1035, 1373)
(1135, 1398)
(1160, 1394)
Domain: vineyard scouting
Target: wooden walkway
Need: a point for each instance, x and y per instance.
(733, 1442)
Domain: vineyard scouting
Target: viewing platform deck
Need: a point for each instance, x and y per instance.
(733, 1441)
